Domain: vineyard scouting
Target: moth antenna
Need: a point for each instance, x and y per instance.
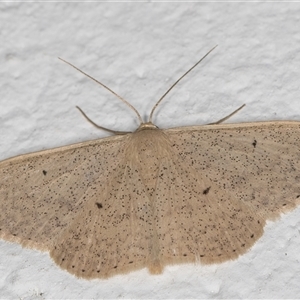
(103, 85)
(101, 127)
(163, 96)
(227, 117)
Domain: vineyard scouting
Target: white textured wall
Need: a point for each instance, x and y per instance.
(139, 49)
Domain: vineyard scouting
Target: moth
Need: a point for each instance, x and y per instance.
(152, 197)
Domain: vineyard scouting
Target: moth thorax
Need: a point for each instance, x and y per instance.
(148, 146)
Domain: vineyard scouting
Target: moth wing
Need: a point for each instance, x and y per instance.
(198, 221)
(256, 163)
(111, 234)
(40, 193)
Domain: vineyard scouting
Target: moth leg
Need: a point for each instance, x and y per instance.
(227, 117)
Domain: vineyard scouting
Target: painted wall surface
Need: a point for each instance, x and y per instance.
(139, 50)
